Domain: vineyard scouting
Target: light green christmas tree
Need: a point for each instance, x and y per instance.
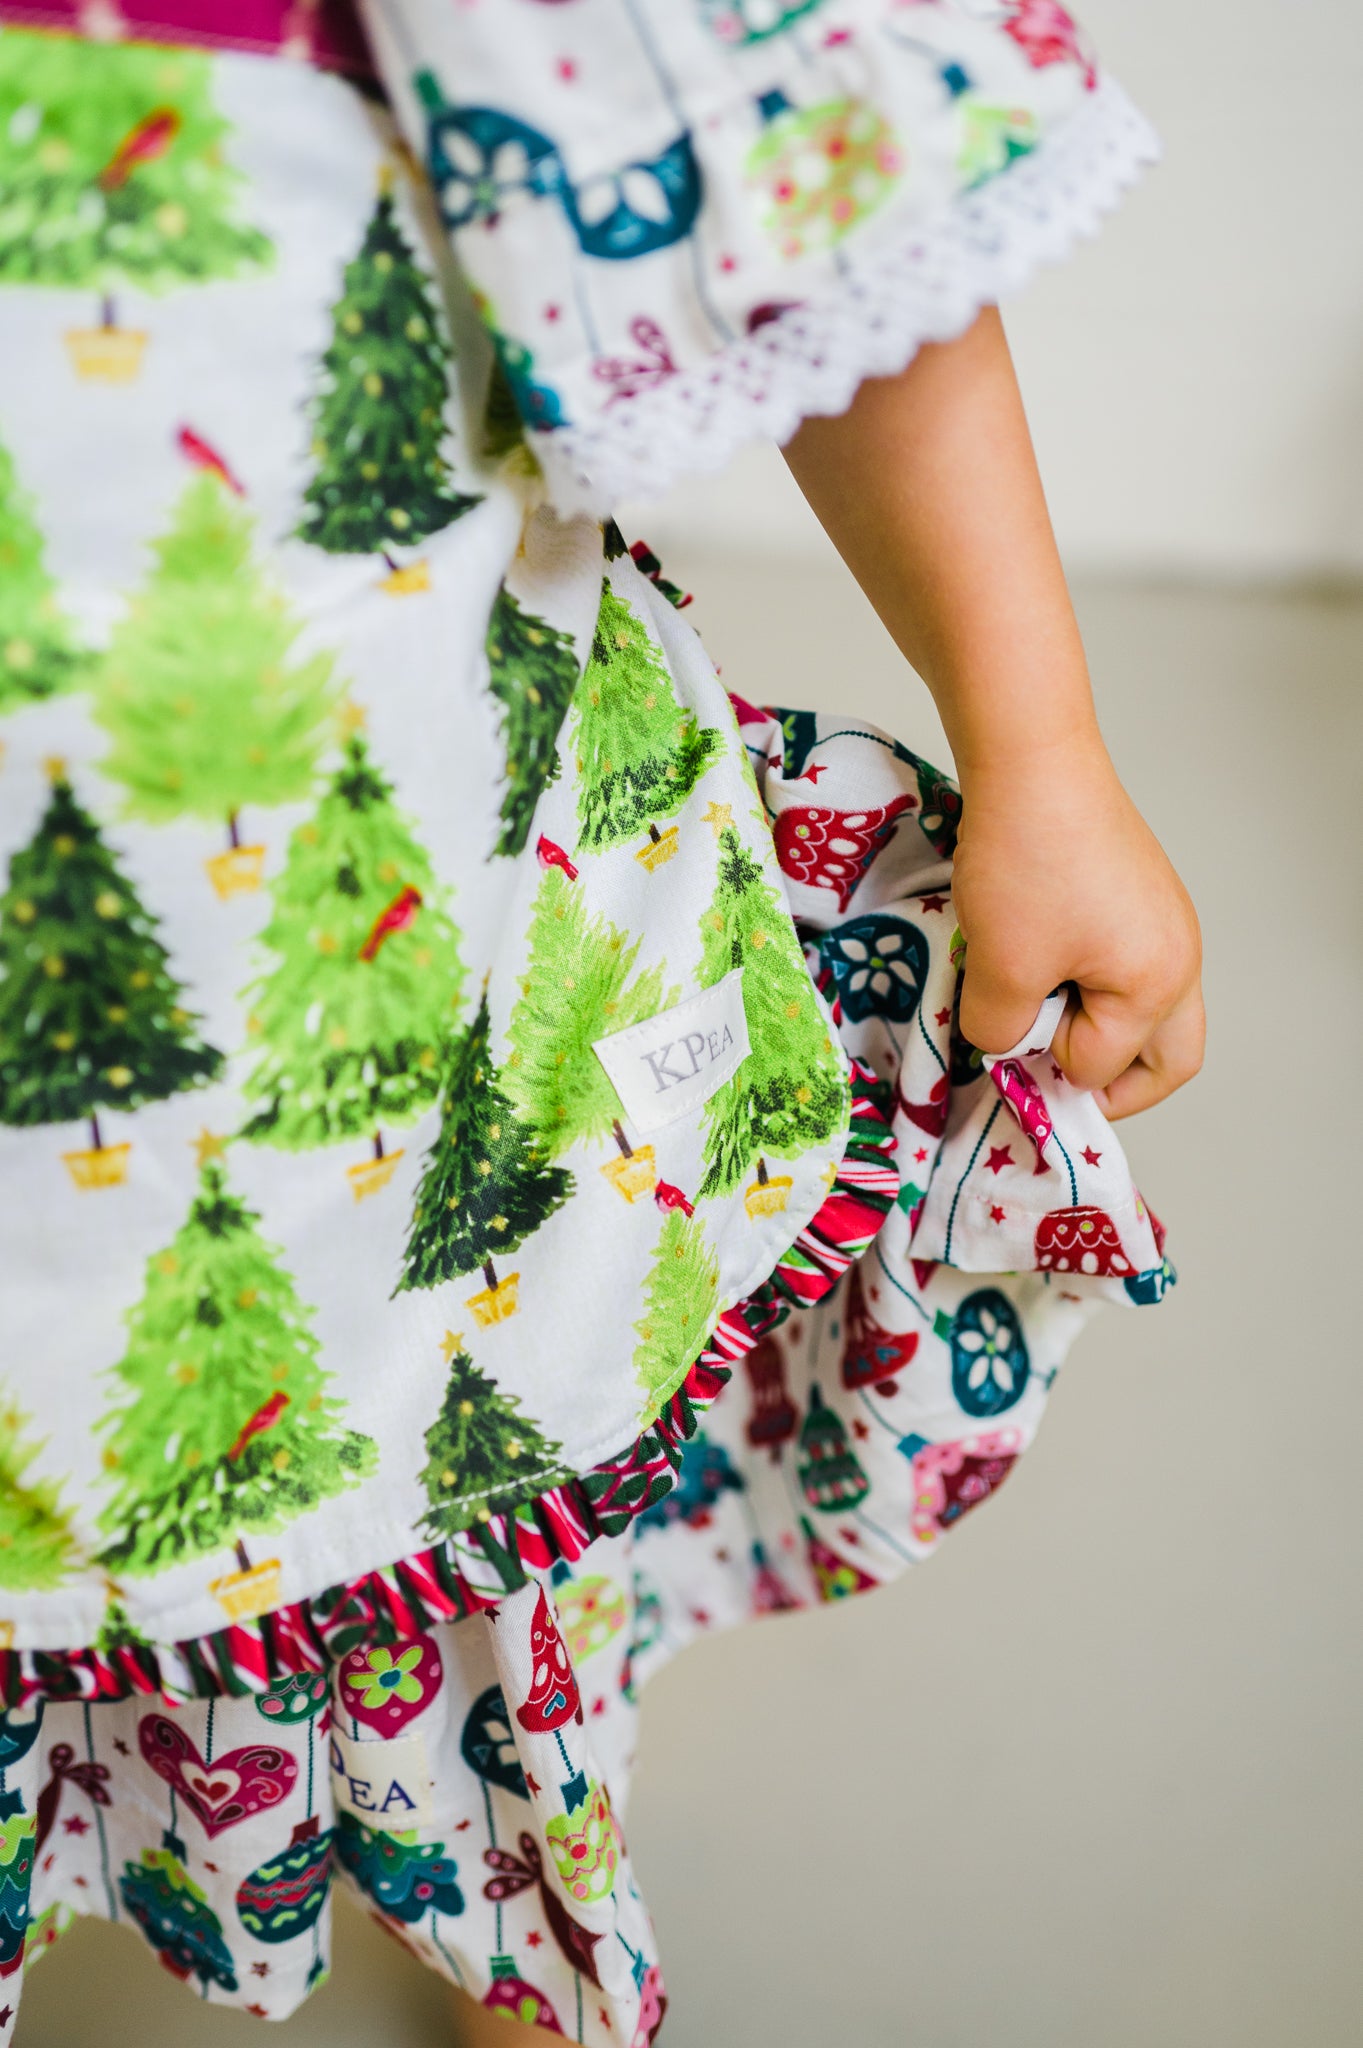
(37, 1547)
(680, 1301)
(378, 421)
(38, 652)
(91, 1016)
(791, 1091)
(577, 988)
(221, 1423)
(351, 1023)
(114, 172)
(208, 703)
(532, 674)
(639, 754)
(486, 1188)
(483, 1456)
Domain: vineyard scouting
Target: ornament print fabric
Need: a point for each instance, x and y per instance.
(492, 1180)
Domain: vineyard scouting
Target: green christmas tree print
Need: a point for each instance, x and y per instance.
(791, 1091)
(486, 1188)
(351, 1024)
(38, 654)
(533, 673)
(221, 1423)
(113, 172)
(639, 755)
(483, 1456)
(577, 988)
(37, 1547)
(378, 421)
(207, 702)
(91, 1016)
(680, 1301)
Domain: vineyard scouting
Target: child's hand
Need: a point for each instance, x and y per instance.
(1059, 879)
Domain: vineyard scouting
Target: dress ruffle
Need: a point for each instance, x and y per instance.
(929, 285)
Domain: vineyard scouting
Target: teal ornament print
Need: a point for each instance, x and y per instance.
(989, 1362)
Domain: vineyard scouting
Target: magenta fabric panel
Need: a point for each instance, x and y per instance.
(324, 32)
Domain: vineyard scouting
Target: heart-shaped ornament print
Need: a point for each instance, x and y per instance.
(234, 1786)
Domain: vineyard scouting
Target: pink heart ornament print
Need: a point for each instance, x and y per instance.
(385, 1688)
(234, 1786)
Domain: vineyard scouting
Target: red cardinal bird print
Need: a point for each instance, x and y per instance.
(400, 913)
(151, 138)
(551, 856)
(263, 1419)
(205, 456)
(668, 1197)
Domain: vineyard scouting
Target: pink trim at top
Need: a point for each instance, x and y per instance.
(322, 32)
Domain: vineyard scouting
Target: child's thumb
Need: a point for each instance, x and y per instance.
(997, 1007)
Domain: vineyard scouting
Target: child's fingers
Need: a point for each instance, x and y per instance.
(1171, 1056)
(1100, 1036)
(996, 1011)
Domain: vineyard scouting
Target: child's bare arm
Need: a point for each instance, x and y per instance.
(928, 488)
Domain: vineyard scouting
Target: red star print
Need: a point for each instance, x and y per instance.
(836, 36)
(787, 1540)
(121, 1746)
(260, 1969)
(861, 1430)
(531, 1787)
(813, 772)
(848, 1535)
(1057, 1073)
(943, 1017)
(49, 1859)
(566, 69)
(460, 1826)
(210, 1866)
(262, 2012)
(1090, 1155)
(534, 1939)
(6, 2015)
(721, 1557)
(874, 1293)
(603, 2015)
(727, 263)
(701, 1617)
(553, 313)
(921, 1154)
(997, 1214)
(999, 1157)
(933, 902)
(77, 1825)
(81, 1881)
(598, 1707)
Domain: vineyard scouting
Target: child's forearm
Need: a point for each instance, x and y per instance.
(928, 488)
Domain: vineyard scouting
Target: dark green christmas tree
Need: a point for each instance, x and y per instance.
(533, 676)
(639, 755)
(37, 1547)
(680, 1301)
(222, 1424)
(483, 1455)
(791, 1091)
(486, 1187)
(208, 703)
(378, 421)
(351, 1025)
(38, 653)
(112, 168)
(577, 988)
(91, 1017)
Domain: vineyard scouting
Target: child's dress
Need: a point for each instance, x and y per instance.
(442, 1038)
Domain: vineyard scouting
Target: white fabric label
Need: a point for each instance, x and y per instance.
(386, 1783)
(669, 1065)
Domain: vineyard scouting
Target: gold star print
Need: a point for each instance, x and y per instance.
(351, 718)
(452, 1341)
(54, 768)
(207, 1147)
(718, 817)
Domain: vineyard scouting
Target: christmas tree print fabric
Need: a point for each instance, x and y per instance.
(492, 1181)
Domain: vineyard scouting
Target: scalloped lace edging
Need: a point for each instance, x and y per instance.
(478, 1567)
(892, 298)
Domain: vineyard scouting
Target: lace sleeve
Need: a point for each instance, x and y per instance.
(691, 223)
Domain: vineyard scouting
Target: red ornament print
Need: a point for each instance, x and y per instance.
(872, 1355)
(833, 849)
(1082, 1240)
(553, 1698)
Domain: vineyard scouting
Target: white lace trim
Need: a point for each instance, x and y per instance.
(891, 299)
